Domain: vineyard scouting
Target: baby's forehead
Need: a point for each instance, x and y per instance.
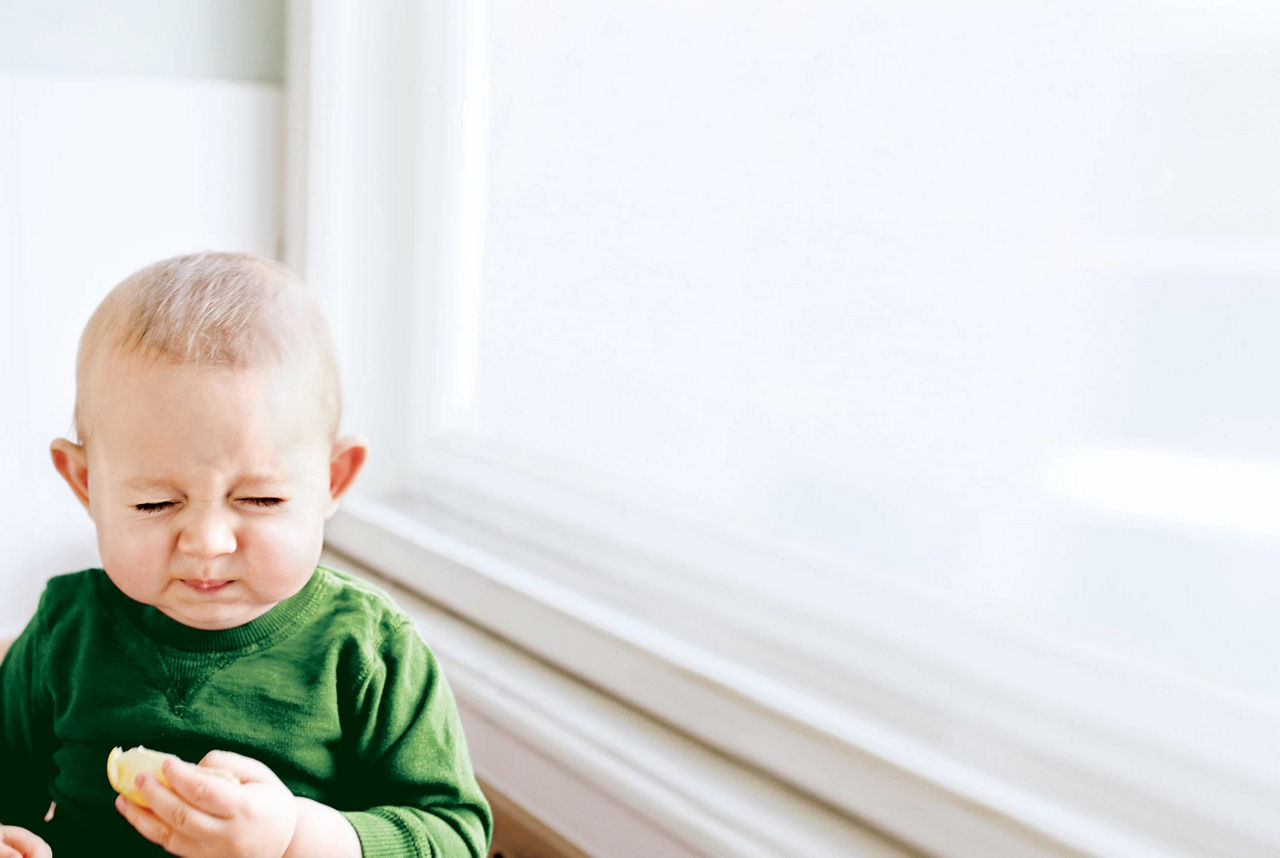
(124, 385)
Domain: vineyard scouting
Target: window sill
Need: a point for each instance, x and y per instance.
(1046, 764)
(609, 780)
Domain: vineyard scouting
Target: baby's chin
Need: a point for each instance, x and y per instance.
(213, 617)
(220, 623)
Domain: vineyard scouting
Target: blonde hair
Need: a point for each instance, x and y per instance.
(212, 309)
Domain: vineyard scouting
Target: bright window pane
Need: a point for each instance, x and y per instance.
(982, 294)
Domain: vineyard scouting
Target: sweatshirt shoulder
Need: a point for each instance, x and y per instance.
(72, 607)
(72, 591)
(372, 628)
(359, 605)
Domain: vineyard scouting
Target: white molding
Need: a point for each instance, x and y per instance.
(355, 216)
(605, 777)
(1082, 789)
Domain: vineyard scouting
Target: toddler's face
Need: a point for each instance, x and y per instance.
(209, 487)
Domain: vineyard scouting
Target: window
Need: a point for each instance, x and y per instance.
(877, 392)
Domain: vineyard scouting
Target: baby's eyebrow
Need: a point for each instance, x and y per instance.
(260, 479)
(147, 483)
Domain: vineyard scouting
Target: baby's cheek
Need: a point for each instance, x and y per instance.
(132, 550)
(289, 547)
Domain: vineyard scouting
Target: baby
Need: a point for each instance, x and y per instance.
(207, 456)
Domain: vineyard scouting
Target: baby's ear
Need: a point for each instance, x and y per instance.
(71, 462)
(346, 461)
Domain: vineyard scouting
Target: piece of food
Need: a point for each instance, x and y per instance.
(123, 768)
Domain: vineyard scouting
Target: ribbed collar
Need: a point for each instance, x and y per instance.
(167, 631)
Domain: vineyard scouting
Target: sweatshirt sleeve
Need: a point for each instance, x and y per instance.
(26, 742)
(412, 759)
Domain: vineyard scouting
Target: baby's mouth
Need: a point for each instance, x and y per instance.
(201, 585)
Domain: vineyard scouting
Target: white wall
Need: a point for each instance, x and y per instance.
(110, 158)
(224, 39)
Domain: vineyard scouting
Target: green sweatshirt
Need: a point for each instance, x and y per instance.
(333, 689)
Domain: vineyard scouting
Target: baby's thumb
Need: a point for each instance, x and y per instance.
(244, 769)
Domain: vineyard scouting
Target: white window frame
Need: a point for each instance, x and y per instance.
(1100, 756)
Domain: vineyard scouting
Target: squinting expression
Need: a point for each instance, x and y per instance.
(209, 487)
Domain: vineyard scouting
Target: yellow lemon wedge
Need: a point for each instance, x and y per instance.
(123, 768)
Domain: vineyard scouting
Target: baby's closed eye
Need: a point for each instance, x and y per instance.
(263, 501)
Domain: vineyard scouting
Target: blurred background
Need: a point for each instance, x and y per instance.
(915, 358)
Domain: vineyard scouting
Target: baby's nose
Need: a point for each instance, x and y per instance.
(207, 532)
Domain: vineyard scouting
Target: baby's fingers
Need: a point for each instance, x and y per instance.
(170, 823)
(150, 826)
(20, 843)
(203, 791)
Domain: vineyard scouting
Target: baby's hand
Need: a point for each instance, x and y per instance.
(201, 814)
(19, 843)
